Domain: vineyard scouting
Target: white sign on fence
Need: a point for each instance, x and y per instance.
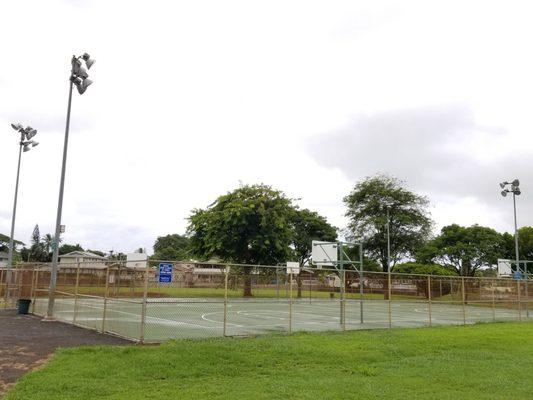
(293, 267)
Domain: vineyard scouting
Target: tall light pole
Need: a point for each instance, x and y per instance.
(514, 188)
(24, 145)
(388, 239)
(80, 79)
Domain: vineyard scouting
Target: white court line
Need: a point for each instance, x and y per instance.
(264, 314)
(162, 321)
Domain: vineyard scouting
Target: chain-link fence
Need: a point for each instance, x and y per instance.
(208, 300)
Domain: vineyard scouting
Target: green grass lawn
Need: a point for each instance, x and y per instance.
(484, 361)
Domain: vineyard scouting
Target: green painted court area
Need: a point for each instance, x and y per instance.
(171, 318)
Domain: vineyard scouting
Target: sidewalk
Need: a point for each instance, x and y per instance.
(26, 343)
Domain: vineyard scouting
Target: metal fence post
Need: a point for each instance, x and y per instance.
(429, 298)
(389, 304)
(519, 299)
(36, 283)
(493, 301)
(105, 298)
(343, 300)
(361, 283)
(32, 289)
(277, 283)
(527, 293)
(463, 298)
(6, 288)
(310, 288)
(226, 301)
(290, 301)
(76, 294)
(145, 299)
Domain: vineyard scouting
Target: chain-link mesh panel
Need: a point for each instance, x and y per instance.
(123, 317)
(208, 300)
(186, 318)
(259, 301)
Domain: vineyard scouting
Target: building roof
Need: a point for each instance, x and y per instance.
(75, 254)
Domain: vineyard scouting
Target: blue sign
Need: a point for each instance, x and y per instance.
(165, 273)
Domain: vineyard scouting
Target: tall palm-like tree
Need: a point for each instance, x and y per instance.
(47, 241)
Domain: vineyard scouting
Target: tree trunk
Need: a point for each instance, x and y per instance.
(385, 287)
(247, 284)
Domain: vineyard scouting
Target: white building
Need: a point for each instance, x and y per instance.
(3, 259)
(85, 258)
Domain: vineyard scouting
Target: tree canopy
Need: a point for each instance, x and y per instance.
(251, 225)
(68, 248)
(307, 226)
(409, 220)
(465, 249)
(171, 247)
(4, 242)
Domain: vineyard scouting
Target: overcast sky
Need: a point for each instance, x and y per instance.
(191, 98)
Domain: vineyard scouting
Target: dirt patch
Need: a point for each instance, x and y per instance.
(26, 342)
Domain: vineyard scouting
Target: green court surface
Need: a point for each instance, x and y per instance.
(171, 318)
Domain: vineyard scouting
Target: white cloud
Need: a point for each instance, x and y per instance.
(192, 97)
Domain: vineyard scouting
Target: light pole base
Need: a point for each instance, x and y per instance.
(49, 319)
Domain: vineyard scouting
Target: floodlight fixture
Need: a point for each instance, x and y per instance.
(26, 148)
(515, 183)
(517, 191)
(81, 84)
(504, 193)
(17, 127)
(78, 70)
(503, 184)
(33, 144)
(88, 60)
(30, 133)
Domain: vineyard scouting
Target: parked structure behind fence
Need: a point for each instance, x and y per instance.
(209, 300)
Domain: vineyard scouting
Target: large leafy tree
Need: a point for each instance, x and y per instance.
(409, 220)
(4, 243)
(463, 249)
(250, 225)
(525, 244)
(427, 269)
(171, 247)
(68, 248)
(308, 226)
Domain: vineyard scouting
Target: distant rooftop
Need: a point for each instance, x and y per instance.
(87, 254)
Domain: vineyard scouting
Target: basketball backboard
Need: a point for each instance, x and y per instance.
(324, 253)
